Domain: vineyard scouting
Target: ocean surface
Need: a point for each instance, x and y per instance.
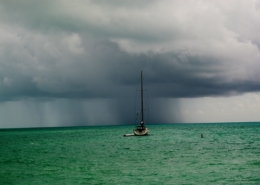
(228, 153)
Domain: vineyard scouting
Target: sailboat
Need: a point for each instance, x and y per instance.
(141, 129)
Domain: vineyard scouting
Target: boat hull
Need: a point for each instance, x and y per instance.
(141, 132)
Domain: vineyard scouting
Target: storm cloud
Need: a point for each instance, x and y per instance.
(87, 56)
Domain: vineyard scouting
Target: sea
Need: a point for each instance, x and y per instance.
(216, 153)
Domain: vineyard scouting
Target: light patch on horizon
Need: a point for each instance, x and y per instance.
(242, 108)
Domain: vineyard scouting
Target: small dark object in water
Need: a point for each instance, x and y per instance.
(127, 135)
(201, 135)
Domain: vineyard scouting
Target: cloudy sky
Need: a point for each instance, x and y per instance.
(66, 63)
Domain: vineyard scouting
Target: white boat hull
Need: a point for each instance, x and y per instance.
(141, 132)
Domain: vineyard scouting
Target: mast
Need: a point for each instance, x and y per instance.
(142, 103)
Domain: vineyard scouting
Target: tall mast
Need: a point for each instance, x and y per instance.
(142, 103)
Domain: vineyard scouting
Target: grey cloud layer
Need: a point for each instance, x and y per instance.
(94, 49)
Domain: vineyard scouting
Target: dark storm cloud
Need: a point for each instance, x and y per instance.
(108, 72)
(96, 50)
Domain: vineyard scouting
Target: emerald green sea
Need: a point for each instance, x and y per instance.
(229, 153)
